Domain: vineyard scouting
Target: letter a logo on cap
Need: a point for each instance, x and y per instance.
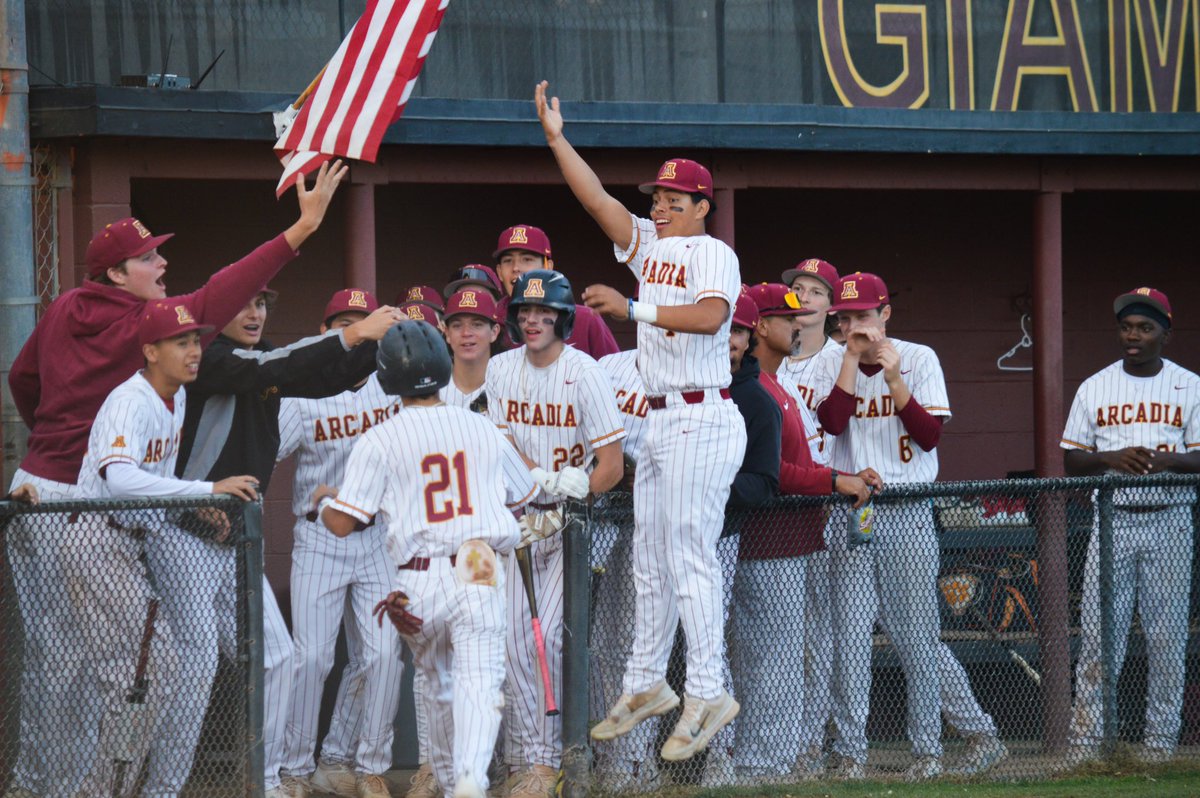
(668, 171)
(414, 294)
(415, 313)
(518, 236)
(141, 229)
(849, 290)
(1143, 291)
(183, 315)
(534, 290)
(358, 299)
(468, 300)
(811, 265)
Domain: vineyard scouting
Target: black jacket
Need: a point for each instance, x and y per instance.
(757, 481)
(232, 421)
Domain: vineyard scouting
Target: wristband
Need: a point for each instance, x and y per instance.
(834, 479)
(641, 311)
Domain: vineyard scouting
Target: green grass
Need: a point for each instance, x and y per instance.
(1137, 781)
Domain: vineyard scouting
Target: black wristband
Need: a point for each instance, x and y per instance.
(833, 486)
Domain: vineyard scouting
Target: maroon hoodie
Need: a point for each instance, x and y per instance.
(86, 345)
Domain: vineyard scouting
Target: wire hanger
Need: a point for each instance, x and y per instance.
(1025, 343)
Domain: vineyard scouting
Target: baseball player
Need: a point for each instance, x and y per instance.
(768, 629)
(444, 480)
(58, 398)
(523, 247)
(1140, 415)
(232, 425)
(813, 281)
(337, 581)
(556, 404)
(885, 402)
(471, 331)
(131, 452)
(688, 282)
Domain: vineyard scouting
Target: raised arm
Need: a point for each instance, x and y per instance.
(608, 212)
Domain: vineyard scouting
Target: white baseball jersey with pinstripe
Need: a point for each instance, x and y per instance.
(622, 369)
(328, 572)
(690, 455)
(557, 416)
(453, 395)
(798, 371)
(437, 477)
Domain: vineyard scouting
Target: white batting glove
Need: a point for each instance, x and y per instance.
(571, 482)
(539, 525)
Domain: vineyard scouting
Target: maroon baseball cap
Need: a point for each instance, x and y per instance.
(472, 301)
(167, 318)
(418, 312)
(350, 300)
(423, 295)
(745, 312)
(683, 175)
(474, 274)
(524, 237)
(776, 299)
(813, 267)
(1144, 296)
(859, 291)
(122, 239)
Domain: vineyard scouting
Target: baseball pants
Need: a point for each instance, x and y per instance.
(57, 729)
(1152, 566)
(818, 651)
(767, 661)
(461, 650)
(334, 579)
(533, 738)
(689, 458)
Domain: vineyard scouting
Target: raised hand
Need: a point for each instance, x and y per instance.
(548, 113)
(315, 201)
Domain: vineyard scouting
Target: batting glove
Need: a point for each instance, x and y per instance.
(537, 525)
(571, 482)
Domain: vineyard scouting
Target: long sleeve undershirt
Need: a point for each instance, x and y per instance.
(126, 479)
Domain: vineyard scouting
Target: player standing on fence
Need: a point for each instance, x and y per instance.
(444, 480)
(131, 453)
(556, 404)
(336, 582)
(1141, 415)
(885, 402)
(232, 426)
(58, 397)
(688, 283)
(524, 247)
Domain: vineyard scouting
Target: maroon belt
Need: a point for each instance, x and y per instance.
(689, 397)
(422, 563)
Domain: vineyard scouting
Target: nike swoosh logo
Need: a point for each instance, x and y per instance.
(685, 431)
(568, 382)
(907, 372)
(1180, 387)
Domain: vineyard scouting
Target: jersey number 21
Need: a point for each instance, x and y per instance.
(437, 468)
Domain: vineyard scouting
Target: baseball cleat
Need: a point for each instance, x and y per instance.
(371, 785)
(699, 722)
(540, 781)
(630, 710)
(924, 769)
(982, 753)
(335, 778)
(845, 768)
(424, 784)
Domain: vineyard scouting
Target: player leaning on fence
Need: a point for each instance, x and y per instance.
(1138, 416)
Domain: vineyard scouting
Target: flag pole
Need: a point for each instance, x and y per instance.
(311, 88)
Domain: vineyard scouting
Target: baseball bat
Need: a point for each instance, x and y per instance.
(1017, 658)
(135, 697)
(959, 592)
(539, 641)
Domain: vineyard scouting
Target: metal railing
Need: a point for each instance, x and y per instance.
(113, 614)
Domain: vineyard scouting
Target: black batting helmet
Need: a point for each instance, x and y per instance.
(546, 288)
(413, 360)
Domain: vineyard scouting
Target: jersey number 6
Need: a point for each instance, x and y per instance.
(440, 481)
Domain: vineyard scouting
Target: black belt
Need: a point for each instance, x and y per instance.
(1143, 508)
(544, 507)
(422, 563)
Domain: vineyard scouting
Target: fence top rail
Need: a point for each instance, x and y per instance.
(223, 502)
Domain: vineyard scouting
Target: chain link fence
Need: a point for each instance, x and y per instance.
(947, 645)
(132, 647)
(48, 180)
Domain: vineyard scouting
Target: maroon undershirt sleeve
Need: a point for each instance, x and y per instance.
(834, 413)
(925, 429)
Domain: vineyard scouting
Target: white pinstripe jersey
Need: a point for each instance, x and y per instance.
(556, 415)
(681, 270)
(323, 431)
(812, 430)
(451, 394)
(1114, 410)
(440, 476)
(631, 397)
(875, 437)
(796, 373)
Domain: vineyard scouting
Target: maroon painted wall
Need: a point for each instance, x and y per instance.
(958, 264)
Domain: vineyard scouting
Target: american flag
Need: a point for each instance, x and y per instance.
(363, 89)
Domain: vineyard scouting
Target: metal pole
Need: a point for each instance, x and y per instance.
(577, 752)
(1053, 601)
(250, 617)
(1109, 667)
(18, 296)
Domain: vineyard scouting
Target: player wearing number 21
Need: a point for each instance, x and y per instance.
(443, 481)
(557, 406)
